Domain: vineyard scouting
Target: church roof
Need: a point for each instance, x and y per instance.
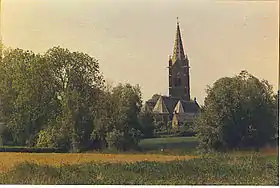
(171, 102)
(179, 108)
(188, 106)
(160, 107)
(178, 50)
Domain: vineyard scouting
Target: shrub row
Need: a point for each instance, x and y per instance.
(32, 150)
(175, 134)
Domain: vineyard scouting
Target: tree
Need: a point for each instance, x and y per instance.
(129, 100)
(118, 115)
(160, 125)
(147, 124)
(238, 113)
(155, 97)
(276, 112)
(78, 84)
(26, 94)
(54, 95)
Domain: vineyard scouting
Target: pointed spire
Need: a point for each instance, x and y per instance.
(179, 108)
(178, 50)
(160, 107)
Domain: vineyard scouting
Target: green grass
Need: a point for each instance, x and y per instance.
(209, 170)
(170, 145)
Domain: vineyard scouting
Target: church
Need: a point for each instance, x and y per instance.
(178, 106)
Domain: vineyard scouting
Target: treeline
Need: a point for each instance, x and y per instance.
(60, 100)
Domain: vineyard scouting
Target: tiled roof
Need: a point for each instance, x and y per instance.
(170, 103)
(160, 107)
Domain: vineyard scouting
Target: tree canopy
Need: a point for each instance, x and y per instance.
(59, 99)
(239, 112)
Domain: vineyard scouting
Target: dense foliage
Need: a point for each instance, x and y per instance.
(59, 100)
(239, 112)
(227, 170)
(146, 120)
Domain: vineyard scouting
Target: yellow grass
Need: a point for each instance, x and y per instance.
(9, 160)
(266, 151)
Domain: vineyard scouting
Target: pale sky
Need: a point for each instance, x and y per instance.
(132, 39)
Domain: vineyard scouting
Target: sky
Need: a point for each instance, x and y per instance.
(132, 39)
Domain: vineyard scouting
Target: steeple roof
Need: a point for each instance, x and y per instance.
(160, 107)
(178, 50)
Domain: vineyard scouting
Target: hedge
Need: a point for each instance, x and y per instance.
(32, 150)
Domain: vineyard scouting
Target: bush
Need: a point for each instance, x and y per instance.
(115, 140)
(54, 136)
(32, 150)
(122, 141)
(238, 113)
(178, 133)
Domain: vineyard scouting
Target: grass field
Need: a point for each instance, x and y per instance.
(174, 148)
(209, 170)
(176, 164)
(10, 160)
(171, 145)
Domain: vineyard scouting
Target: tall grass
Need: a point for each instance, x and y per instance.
(208, 170)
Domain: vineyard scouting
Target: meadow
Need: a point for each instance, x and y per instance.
(174, 148)
(170, 145)
(209, 170)
(167, 161)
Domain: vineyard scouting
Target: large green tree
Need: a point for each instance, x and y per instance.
(239, 112)
(26, 94)
(50, 99)
(78, 84)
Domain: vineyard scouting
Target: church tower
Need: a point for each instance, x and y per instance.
(179, 78)
(177, 107)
